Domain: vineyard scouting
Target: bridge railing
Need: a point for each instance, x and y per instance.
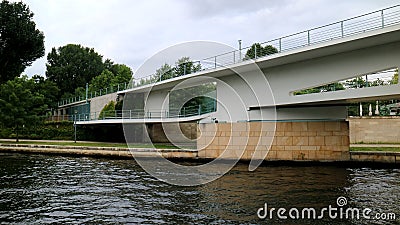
(92, 94)
(367, 22)
(147, 114)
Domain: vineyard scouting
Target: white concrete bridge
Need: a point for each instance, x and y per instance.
(373, 45)
(261, 91)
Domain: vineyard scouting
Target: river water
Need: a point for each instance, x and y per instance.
(40, 189)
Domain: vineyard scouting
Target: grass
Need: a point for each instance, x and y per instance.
(92, 144)
(375, 149)
(378, 143)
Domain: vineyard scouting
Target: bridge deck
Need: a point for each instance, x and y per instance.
(144, 120)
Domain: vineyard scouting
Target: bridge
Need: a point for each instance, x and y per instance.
(257, 112)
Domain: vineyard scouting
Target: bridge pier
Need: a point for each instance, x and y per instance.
(292, 140)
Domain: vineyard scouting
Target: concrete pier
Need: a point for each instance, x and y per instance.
(306, 140)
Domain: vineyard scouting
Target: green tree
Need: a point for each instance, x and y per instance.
(395, 78)
(189, 100)
(20, 42)
(108, 110)
(182, 67)
(269, 50)
(122, 74)
(377, 82)
(361, 82)
(20, 105)
(325, 88)
(164, 72)
(357, 82)
(80, 93)
(72, 66)
(102, 81)
(185, 66)
(116, 74)
(261, 51)
(48, 89)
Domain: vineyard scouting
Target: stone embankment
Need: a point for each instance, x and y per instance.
(98, 151)
(355, 156)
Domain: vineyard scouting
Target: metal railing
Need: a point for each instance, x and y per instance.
(97, 93)
(142, 114)
(367, 22)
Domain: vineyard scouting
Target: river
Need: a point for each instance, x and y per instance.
(42, 189)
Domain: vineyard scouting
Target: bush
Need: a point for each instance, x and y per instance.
(64, 130)
(53, 130)
(108, 110)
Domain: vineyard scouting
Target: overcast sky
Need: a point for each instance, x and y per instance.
(130, 31)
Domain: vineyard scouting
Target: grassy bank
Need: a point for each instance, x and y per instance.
(375, 149)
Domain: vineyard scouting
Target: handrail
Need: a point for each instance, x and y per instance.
(182, 112)
(294, 41)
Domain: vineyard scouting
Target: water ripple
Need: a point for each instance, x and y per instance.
(36, 189)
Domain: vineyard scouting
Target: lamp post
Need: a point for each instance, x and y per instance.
(75, 112)
(240, 50)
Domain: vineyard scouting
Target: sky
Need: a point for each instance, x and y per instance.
(131, 31)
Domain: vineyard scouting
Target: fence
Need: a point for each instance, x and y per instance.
(141, 114)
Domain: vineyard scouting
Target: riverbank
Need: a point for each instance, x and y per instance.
(122, 152)
(373, 155)
(84, 143)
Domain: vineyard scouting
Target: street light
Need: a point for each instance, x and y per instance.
(75, 112)
(240, 49)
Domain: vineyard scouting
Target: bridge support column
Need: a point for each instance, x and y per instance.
(304, 141)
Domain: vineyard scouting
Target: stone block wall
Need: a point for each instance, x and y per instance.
(316, 140)
(374, 129)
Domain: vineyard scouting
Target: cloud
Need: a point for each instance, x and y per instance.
(228, 8)
(129, 32)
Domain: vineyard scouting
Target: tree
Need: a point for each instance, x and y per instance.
(48, 89)
(182, 67)
(72, 66)
(260, 50)
(122, 74)
(102, 81)
(190, 100)
(108, 110)
(164, 72)
(377, 82)
(357, 82)
(20, 42)
(395, 78)
(20, 105)
(325, 88)
(114, 75)
(186, 66)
